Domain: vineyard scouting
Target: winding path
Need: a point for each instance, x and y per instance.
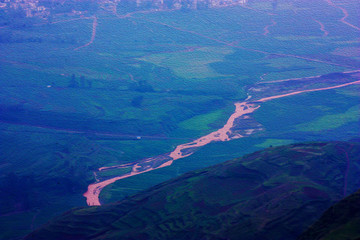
(345, 12)
(92, 35)
(322, 28)
(308, 90)
(266, 28)
(226, 133)
(262, 77)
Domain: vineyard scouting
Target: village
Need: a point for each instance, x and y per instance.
(46, 8)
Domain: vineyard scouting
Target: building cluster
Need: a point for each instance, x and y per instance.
(43, 8)
(192, 4)
(31, 8)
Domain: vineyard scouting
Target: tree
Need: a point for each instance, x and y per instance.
(274, 4)
(144, 86)
(73, 83)
(137, 101)
(89, 83)
(82, 82)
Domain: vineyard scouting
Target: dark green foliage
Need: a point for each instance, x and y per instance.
(270, 195)
(89, 83)
(82, 82)
(73, 83)
(340, 221)
(334, 76)
(16, 193)
(144, 86)
(137, 101)
(41, 171)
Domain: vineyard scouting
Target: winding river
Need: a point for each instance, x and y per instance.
(226, 133)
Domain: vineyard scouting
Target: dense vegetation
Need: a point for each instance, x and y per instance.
(271, 194)
(341, 221)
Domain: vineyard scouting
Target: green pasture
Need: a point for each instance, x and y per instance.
(202, 122)
(134, 150)
(332, 121)
(191, 65)
(352, 91)
(323, 110)
(274, 142)
(287, 68)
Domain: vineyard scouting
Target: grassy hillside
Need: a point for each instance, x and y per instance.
(341, 221)
(271, 194)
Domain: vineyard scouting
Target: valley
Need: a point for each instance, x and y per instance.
(242, 110)
(273, 194)
(112, 99)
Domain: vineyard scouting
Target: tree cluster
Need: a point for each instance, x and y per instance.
(81, 83)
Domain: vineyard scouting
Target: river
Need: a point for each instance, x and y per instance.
(226, 133)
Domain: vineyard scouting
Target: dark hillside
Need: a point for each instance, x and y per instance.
(271, 194)
(341, 221)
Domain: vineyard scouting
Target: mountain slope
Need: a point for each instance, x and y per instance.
(271, 194)
(341, 221)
